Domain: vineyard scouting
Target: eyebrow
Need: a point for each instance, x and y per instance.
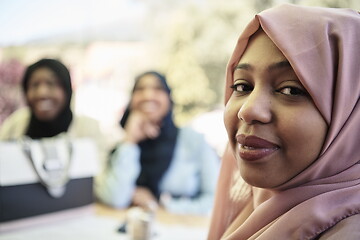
(278, 65)
(274, 66)
(244, 66)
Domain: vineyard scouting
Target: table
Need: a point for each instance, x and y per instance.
(162, 216)
(99, 221)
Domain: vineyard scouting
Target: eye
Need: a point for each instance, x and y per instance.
(159, 88)
(292, 91)
(138, 89)
(33, 85)
(53, 84)
(241, 87)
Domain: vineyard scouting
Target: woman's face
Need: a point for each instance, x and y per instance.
(45, 96)
(274, 128)
(150, 98)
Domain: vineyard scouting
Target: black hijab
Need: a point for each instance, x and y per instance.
(38, 128)
(156, 154)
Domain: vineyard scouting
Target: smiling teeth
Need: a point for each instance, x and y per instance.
(247, 147)
(44, 105)
(149, 107)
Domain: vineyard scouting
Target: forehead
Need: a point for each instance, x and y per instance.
(148, 80)
(43, 72)
(261, 50)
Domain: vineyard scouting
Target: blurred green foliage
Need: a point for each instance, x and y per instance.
(196, 40)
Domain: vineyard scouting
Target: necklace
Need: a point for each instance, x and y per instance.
(51, 159)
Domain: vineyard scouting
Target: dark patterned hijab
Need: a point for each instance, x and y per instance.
(156, 154)
(38, 128)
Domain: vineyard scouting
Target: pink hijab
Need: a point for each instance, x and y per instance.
(322, 45)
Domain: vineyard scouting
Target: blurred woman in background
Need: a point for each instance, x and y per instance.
(47, 89)
(61, 150)
(157, 161)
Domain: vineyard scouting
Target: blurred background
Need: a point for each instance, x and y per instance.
(106, 43)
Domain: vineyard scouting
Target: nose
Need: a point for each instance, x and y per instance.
(256, 108)
(43, 90)
(149, 93)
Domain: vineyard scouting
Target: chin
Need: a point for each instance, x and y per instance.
(45, 117)
(259, 181)
(258, 184)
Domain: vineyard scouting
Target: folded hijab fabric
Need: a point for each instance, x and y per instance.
(321, 45)
(156, 154)
(38, 128)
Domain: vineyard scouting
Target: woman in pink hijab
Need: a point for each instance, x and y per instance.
(292, 166)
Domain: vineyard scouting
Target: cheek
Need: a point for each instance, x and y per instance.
(165, 101)
(166, 108)
(134, 102)
(137, 96)
(315, 129)
(230, 118)
(60, 96)
(30, 97)
(304, 137)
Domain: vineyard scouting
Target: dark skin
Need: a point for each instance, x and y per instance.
(149, 105)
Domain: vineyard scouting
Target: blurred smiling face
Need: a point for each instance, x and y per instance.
(150, 98)
(45, 95)
(274, 128)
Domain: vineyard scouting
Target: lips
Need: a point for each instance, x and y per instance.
(44, 105)
(149, 106)
(253, 148)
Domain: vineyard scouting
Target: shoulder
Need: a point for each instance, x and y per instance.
(84, 126)
(15, 124)
(347, 229)
(20, 115)
(82, 119)
(189, 136)
(189, 132)
(193, 141)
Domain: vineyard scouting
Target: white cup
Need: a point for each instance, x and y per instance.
(139, 224)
